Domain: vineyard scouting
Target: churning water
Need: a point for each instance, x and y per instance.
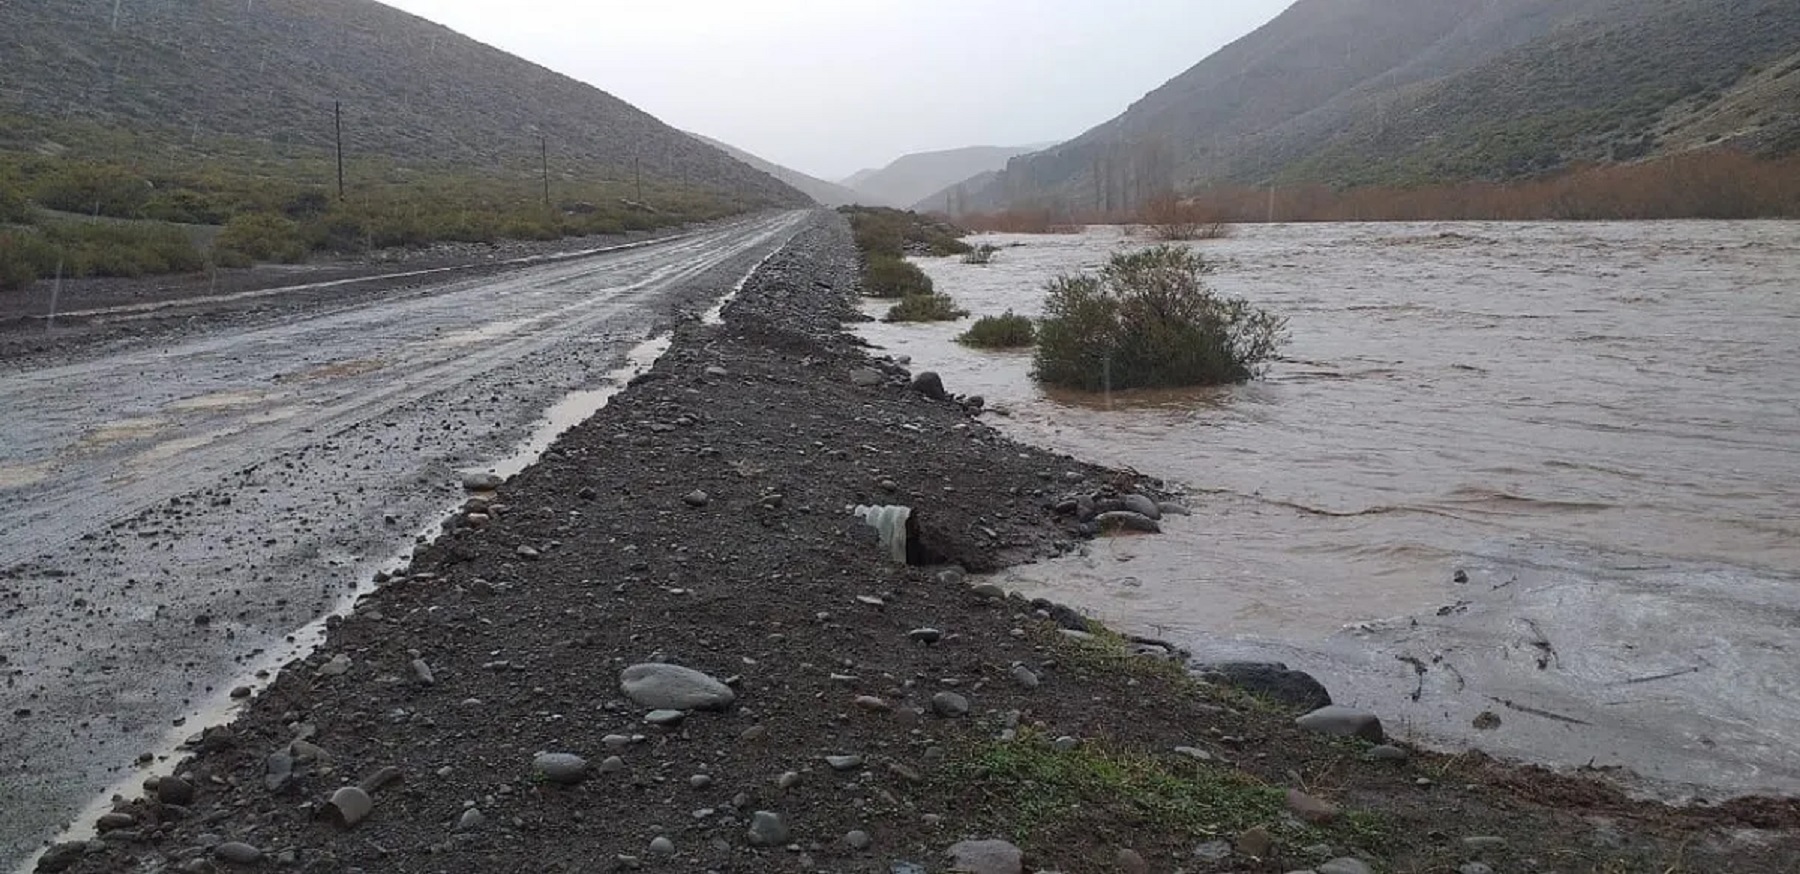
(1598, 423)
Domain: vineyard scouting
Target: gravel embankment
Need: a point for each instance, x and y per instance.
(871, 716)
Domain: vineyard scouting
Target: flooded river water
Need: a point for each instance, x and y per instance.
(1597, 424)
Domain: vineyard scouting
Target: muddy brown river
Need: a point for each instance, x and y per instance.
(1599, 424)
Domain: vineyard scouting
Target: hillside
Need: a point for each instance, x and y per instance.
(912, 178)
(1349, 92)
(205, 73)
(821, 191)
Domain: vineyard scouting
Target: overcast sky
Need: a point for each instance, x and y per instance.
(831, 86)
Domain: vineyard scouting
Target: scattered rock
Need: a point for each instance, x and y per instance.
(1131, 862)
(62, 856)
(1343, 722)
(858, 840)
(865, 377)
(561, 768)
(1142, 506)
(1024, 677)
(347, 807)
(844, 763)
(482, 481)
(1345, 865)
(986, 857)
(1273, 680)
(949, 705)
(1314, 810)
(925, 635)
(1170, 508)
(238, 853)
(1213, 851)
(1256, 842)
(174, 790)
(787, 780)
(1128, 521)
(336, 667)
(1484, 842)
(470, 820)
(872, 704)
(767, 829)
(930, 385)
(529, 553)
(1386, 753)
(696, 498)
(1487, 720)
(422, 673)
(1065, 743)
(662, 846)
(673, 687)
(114, 821)
(1474, 868)
(665, 718)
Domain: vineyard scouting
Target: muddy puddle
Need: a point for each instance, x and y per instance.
(1597, 425)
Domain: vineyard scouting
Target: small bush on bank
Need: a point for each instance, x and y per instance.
(94, 189)
(926, 308)
(1009, 331)
(883, 231)
(254, 237)
(981, 255)
(1147, 319)
(25, 257)
(129, 250)
(888, 276)
(14, 208)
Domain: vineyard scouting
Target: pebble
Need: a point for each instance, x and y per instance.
(662, 846)
(470, 820)
(422, 673)
(989, 591)
(1343, 722)
(1484, 842)
(1195, 753)
(700, 781)
(1024, 677)
(1256, 842)
(1345, 865)
(865, 376)
(925, 635)
(665, 717)
(616, 741)
(337, 666)
(1131, 862)
(241, 692)
(1213, 851)
(844, 763)
(858, 840)
(527, 552)
(1170, 508)
(986, 857)
(1385, 753)
(673, 687)
(612, 765)
(563, 768)
(481, 481)
(114, 821)
(1128, 521)
(1142, 506)
(349, 806)
(788, 780)
(1314, 810)
(767, 829)
(872, 704)
(1065, 743)
(1474, 868)
(949, 705)
(174, 790)
(696, 498)
(238, 853)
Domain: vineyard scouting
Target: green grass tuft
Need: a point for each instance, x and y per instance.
(888, 276)
(926, 308)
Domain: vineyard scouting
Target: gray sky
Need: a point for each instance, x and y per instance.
(831, 86)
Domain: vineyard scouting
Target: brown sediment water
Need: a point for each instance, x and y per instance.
(1599, 424)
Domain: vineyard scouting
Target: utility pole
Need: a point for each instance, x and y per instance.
(544, 145)
(638, 172)
(1271, 203)
(337, 112)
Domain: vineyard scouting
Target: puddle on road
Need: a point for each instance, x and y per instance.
(121, 430)
(224, 400)
(337, 370)
(482, 334)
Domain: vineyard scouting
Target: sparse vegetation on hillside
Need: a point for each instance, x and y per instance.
(1147, 319)
(1008, 331)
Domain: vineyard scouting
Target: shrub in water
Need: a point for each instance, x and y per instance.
(1010, 331)
(982, 254)
(1147, 319)
(888, 276)
(926, 308)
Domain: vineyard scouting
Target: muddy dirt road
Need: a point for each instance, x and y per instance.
(177, 513)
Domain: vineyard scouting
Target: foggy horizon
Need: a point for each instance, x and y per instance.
(828, 89)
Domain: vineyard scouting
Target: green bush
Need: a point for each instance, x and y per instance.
(108, 249)
(254, 237)
(14, 208)
(981, 255)
(888, 276)
(1009, 331)
(25, 257)
(1148, 320)
(925, 308)
(94, 189)
(884, 231)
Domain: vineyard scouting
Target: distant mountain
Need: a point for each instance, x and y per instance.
(1348, 92)
(825, 193)
(858, 177)
(912, 178)
(269, 71)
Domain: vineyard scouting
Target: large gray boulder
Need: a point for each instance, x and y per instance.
(1272, 680)
(1343, 722)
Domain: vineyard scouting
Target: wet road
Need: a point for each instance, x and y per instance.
(174, 514)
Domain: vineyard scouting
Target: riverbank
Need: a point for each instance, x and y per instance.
(879, 714)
